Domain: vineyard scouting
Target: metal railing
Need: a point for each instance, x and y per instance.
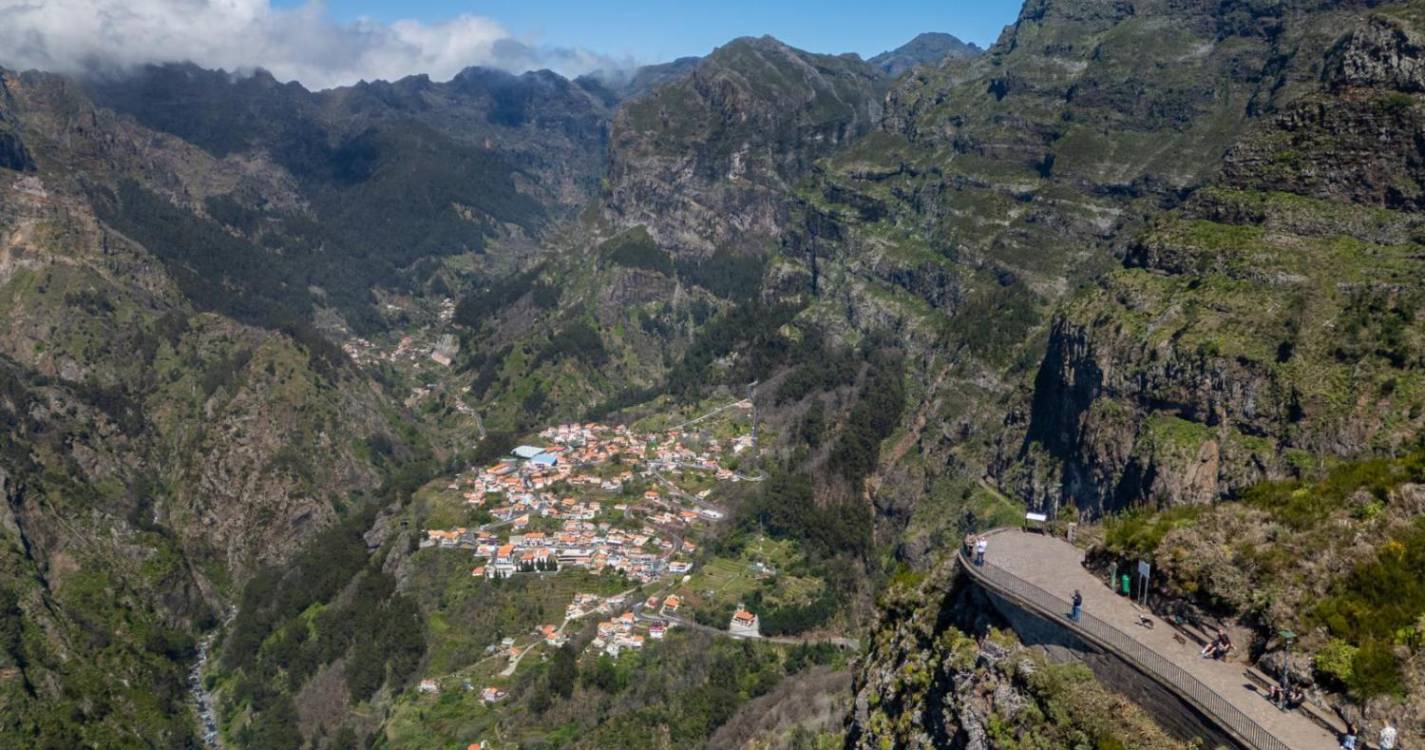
(1169, 675)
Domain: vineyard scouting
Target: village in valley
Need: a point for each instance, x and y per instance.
(585, 538)
(618, 505)
(562, 504)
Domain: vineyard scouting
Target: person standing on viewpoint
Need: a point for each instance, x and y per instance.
(1348, 740)
(981, 545)
(1387, 736)
(1077, 610)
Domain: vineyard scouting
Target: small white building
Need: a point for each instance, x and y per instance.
(744, 624)
(492, 695)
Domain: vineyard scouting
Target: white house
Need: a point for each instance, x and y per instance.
(744, 624)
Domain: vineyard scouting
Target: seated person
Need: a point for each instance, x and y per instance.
(1277, 695)
(1294, 698)
(1219, 647)
(1286, 698)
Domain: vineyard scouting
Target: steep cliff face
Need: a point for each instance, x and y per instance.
(13, 154)
(940, 674)
(706, 162)
(1270, 321)
(1026, 163)
(996, 186)
(153, 455)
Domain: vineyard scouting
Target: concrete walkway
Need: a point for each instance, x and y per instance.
(1057, 567)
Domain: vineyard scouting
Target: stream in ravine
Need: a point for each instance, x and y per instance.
(202, 699)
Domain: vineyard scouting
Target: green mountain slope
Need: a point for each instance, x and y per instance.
(382, 178)
(156, 454)
(1269, 323)
(1113, 259)
(1158, 257)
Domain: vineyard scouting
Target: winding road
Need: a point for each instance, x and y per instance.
(837, 641)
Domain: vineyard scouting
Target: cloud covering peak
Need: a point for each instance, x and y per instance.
(302, 43)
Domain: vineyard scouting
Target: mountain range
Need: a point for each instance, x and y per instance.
(1152, 266)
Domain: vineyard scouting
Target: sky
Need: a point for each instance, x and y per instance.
(659, 30)
(338, 42)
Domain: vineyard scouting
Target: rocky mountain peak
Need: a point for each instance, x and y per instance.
(1380, 52)
(725, 140)
(928, 48)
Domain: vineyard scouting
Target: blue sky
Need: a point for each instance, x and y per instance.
(655, 31)
(326, 43)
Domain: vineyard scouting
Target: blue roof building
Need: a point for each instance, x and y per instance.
(527, 451)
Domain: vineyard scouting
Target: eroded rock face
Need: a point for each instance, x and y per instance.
(1135, 420)
(1361, 147)
(914, 692)
(1261, 319)
(13, 154)
(708, 161)
(1379, 53)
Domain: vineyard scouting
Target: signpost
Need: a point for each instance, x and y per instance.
(1144, 570)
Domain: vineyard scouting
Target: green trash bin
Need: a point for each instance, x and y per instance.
(1127, 585)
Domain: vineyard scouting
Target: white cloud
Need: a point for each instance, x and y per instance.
(301, 44)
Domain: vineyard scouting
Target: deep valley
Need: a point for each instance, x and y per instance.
(653, 409)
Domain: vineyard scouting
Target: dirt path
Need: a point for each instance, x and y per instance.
(922, 417)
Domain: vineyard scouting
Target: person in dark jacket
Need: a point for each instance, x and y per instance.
(1219, 647)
